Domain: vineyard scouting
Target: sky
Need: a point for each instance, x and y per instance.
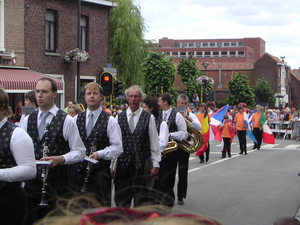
(276, 22)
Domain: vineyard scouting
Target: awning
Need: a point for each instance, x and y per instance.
(22, 79)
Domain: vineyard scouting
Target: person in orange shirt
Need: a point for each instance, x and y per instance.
(257, 128)
(226, 127)
(241, 129)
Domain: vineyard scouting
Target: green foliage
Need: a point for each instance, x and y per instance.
(189, 73)
(128, 48)
(239, 90)
(159, 70)
(263, 91)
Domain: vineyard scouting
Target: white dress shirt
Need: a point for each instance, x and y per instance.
(114, 135)
(152, 131)
(181, 134)
(195, 123)
(163, 135)
(22, 149)
(70, 134)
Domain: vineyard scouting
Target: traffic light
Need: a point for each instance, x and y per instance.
(107, 83)
(117, 88)
(211, 96)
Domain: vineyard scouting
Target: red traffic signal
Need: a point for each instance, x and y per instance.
(107, 83)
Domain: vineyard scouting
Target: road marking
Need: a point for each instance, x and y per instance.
(291, 146)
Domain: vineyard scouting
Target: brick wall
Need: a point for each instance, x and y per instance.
(67, 23)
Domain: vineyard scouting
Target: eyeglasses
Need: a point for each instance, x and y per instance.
(102, 216)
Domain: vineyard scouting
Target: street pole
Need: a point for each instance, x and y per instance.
(79, 45)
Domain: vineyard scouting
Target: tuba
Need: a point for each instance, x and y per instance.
(193, 141)
(171, 146)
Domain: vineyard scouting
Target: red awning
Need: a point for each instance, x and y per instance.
(22, 79)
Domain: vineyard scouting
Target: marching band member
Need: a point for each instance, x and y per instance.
(17, 164)
(150, 105)
(102, 137)
(64, 146)
(183, 156)
(178, 132)
(140, 141)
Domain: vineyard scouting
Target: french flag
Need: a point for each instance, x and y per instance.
(216, 120)
(268, 136)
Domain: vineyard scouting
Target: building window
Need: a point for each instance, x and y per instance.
(232, 54)
(251, 56)
(215, 54)
(182, 54)
(241, 54)
(213, 44)
(198, 44)
(83, 27)
(175, 54)
(191, 53)
(226, 44)
(199, 54)
(177, 45)
(183, 45)
(241, 44)
(191, 45)
(50, 30)
(205, 44)
(207, 54)
(224, 54)
(219, 44)
(2, 48)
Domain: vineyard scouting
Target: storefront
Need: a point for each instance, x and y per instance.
(17, 81)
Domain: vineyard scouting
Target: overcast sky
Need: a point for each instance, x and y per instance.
(276, 22)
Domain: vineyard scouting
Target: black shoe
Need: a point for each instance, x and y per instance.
(258, 148)
(202, 161)
(298, 174)
(180, 201)
(222, 157)
(245, 153)
(254, 148)
(229, 155)
(241, 153)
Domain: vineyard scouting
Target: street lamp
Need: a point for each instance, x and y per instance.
(203, 89)
(205, 64)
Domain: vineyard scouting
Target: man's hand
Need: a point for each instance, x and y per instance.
(94, 156)
(154, 173)
(57, 160)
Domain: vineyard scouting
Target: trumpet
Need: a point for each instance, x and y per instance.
(45, 169)
(90, 163)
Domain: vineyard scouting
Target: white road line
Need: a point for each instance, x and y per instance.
(291, 146)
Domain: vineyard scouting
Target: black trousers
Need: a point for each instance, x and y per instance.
(201, 157)
(13, 207)
(130, 184)
(98, 185)
(57, 187)
(242, 140)
(183, 166)
(226, 147)
(257, 133)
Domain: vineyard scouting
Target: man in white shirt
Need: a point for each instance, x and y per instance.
(17, 164)
(177, 132)
(183, 156)
(103, 141)
(140, 141)
(64, 145)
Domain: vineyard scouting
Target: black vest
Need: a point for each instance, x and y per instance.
(136, 145)
(171, 121)
(57, 144)
(6, 158)
(98, 134)
(158, 122)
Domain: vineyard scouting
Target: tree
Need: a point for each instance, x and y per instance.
(128, 48)
(159, 71)
(239, 90)
(189, 73)
(263, 91)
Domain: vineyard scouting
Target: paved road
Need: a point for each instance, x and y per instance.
(249, 189)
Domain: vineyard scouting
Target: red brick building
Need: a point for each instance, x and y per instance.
(39, 33)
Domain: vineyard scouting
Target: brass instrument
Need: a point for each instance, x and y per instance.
(81, 107)
(90, 164)
(171, 146)
(45, 169)
(193, 141)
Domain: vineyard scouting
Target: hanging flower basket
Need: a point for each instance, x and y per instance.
(205, 80)
(278, 95)
(76, 55)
